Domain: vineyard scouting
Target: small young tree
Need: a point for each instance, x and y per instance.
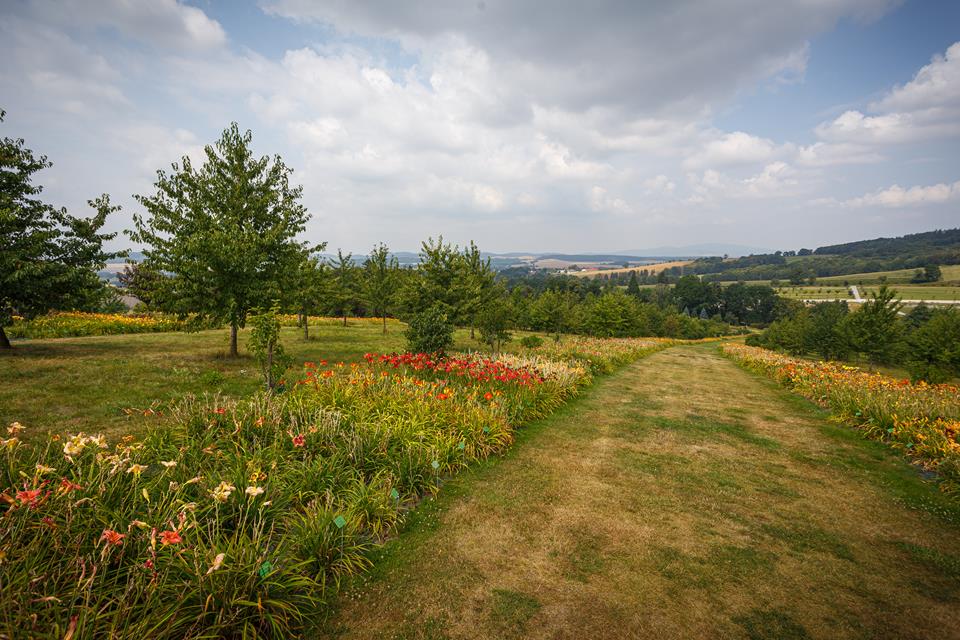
(380, 278)
(48, 259)
(310, 288)
(494, 322)
(266, 347)
(475, 285)
(430, 331)
(344, 284)
(224, 232)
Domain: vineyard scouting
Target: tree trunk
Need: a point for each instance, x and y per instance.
(233, 339)
(384, 325)
(270, 382)
(471, 333)
(4, 341)
(344, 319)
(306, 326)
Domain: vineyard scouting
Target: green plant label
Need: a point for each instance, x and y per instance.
(394, 494)
(265, 569)
(340, 522)
(435, 464)
(486, 429)
(461, 446)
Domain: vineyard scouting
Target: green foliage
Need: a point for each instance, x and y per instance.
(49, 259)
(531, 342)
(934, 348)
(310, 288)
(874, 329)
(633, 287)
(494, 322)
(224, 232)
(266, 347)
(930, 273)
(380, 281)
(346, 285)
(826, 333)
(430, 331)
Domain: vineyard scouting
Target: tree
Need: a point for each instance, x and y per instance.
(310, 288)
(225, 232)
(437, 280)
(825, 333)
(874, 329)
(430, 331)
(930, 273)
(494, 322)
(935, 347)
(143, 283)
(266, 347)
(633, 287)
(380, 272)
(475, 284)
(344, 284)
(48, 259)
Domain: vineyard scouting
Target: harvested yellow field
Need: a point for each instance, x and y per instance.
(649, 268)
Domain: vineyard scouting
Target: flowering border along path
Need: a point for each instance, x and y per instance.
(920, 419)
(242, 517)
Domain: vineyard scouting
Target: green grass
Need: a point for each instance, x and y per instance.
(85, 384)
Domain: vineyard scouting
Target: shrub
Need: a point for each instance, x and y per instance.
(430, 331)
(531, 342)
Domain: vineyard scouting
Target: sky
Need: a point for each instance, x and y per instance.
(523, 125)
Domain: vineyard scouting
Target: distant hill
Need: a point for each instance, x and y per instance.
(929, 241)
(914, 251)
(697, 250)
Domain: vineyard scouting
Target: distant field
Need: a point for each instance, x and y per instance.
(951, 274)
(649, 268)
(907, 292)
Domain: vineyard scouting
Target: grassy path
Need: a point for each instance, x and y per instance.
(682, 497)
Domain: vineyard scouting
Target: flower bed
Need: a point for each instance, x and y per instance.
(921, 419)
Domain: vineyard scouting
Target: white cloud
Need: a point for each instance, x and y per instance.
(897, 197)
(733, 148)
(163, 23)
(630, 55)
(934, 86)
(659, 184)
(602, 202)
(927, 107)
(824, 154)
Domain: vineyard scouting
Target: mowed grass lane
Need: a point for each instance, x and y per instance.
(681, 497)
(84, 384)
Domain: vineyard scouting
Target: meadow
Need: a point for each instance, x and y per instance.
(239, 512)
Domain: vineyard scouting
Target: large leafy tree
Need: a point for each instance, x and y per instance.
(380, 280)
(48, 259)
(224, 233)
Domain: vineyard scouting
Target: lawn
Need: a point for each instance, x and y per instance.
(84, 384)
